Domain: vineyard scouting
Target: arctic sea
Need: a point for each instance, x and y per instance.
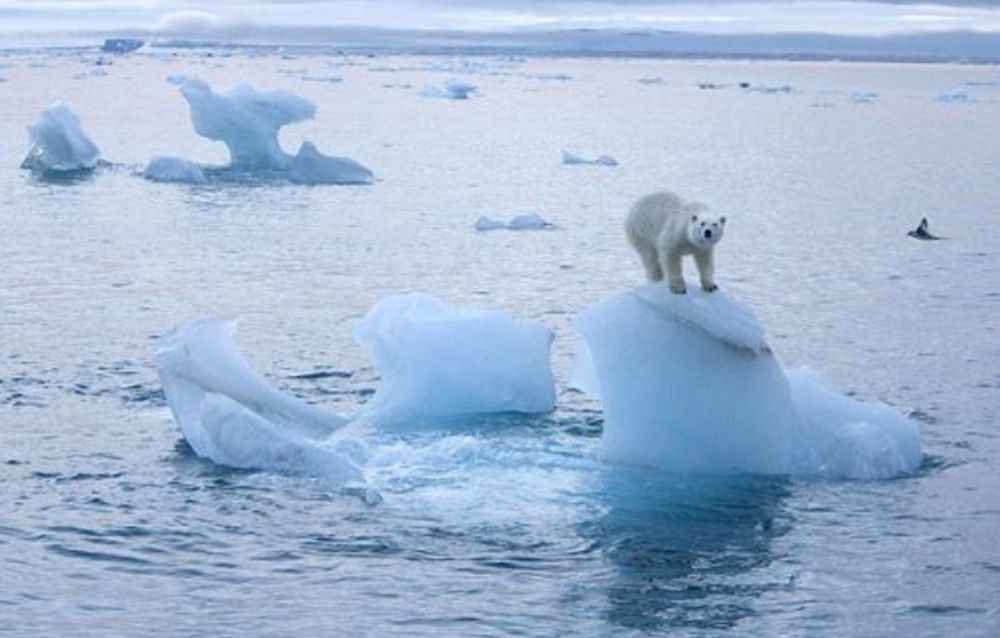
(501, 525)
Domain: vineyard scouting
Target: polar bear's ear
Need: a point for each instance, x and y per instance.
(722, 220)
(694, 217)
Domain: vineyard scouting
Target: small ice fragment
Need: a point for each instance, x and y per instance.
(487, 223)
(173, 169)
(602, 160)
(529, 221)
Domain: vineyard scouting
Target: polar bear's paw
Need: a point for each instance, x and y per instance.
(709, 287)
(678, 287)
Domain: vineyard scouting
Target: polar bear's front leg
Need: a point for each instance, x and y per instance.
(706, 269)
(651, 262)
(671, 264)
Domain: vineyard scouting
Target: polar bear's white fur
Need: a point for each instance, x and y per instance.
(663, 228)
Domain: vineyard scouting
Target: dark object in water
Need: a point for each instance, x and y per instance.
(921, 231)
(121, 45)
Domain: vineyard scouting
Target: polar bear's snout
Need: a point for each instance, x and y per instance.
(708, 231)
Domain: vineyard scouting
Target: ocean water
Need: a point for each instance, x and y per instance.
(501, 525)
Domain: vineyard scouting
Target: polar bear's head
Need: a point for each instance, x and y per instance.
(705, 228)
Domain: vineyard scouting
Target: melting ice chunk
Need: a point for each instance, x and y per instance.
(247, 121)
(526, 221)
(173, 169)
(309, 166)
(689, 384)
(57, 143)
(437, 361)
(230, 415)
(602, 160)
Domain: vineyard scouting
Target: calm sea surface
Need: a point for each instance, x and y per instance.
(502, 525)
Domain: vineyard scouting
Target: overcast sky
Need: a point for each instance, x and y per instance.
(709, 16)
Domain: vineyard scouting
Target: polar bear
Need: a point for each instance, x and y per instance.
(663, 228)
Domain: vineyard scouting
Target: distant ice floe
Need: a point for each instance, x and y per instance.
(864, 97)
(769, 88)
(231, 416)
(330, 79)
(526, 221)
(174, 169)
(247, 121)
(437, 362)
(602, 160)
(451, 91)
(958, 96)
(122, 45)
(648, 81)
(688, 384)
(57, 143)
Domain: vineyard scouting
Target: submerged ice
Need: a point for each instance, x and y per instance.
(247, 121)
(437, 361)
(688, 384)
(57, 143)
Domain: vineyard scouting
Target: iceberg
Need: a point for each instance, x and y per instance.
(174, 169)
(438, 362)
(57, 143)
(247, 121)
(450, 91)
(689, 384)
(231, 416)
(602, 160)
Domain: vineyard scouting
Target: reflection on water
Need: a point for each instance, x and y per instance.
(684, 549)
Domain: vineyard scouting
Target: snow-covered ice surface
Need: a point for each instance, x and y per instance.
(497, 524)
(57, 143)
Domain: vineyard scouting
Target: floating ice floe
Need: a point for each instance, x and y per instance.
(57, 143)
(526, 221)
(768, 88)
(602, 160)
(437, 362)
(688, 384)
(450, 91)
(331, 79)
(958, 96)
(174, 169)
(122, 45)
(309, 166)
(247, 121)
(231, 416)
(864, 97)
